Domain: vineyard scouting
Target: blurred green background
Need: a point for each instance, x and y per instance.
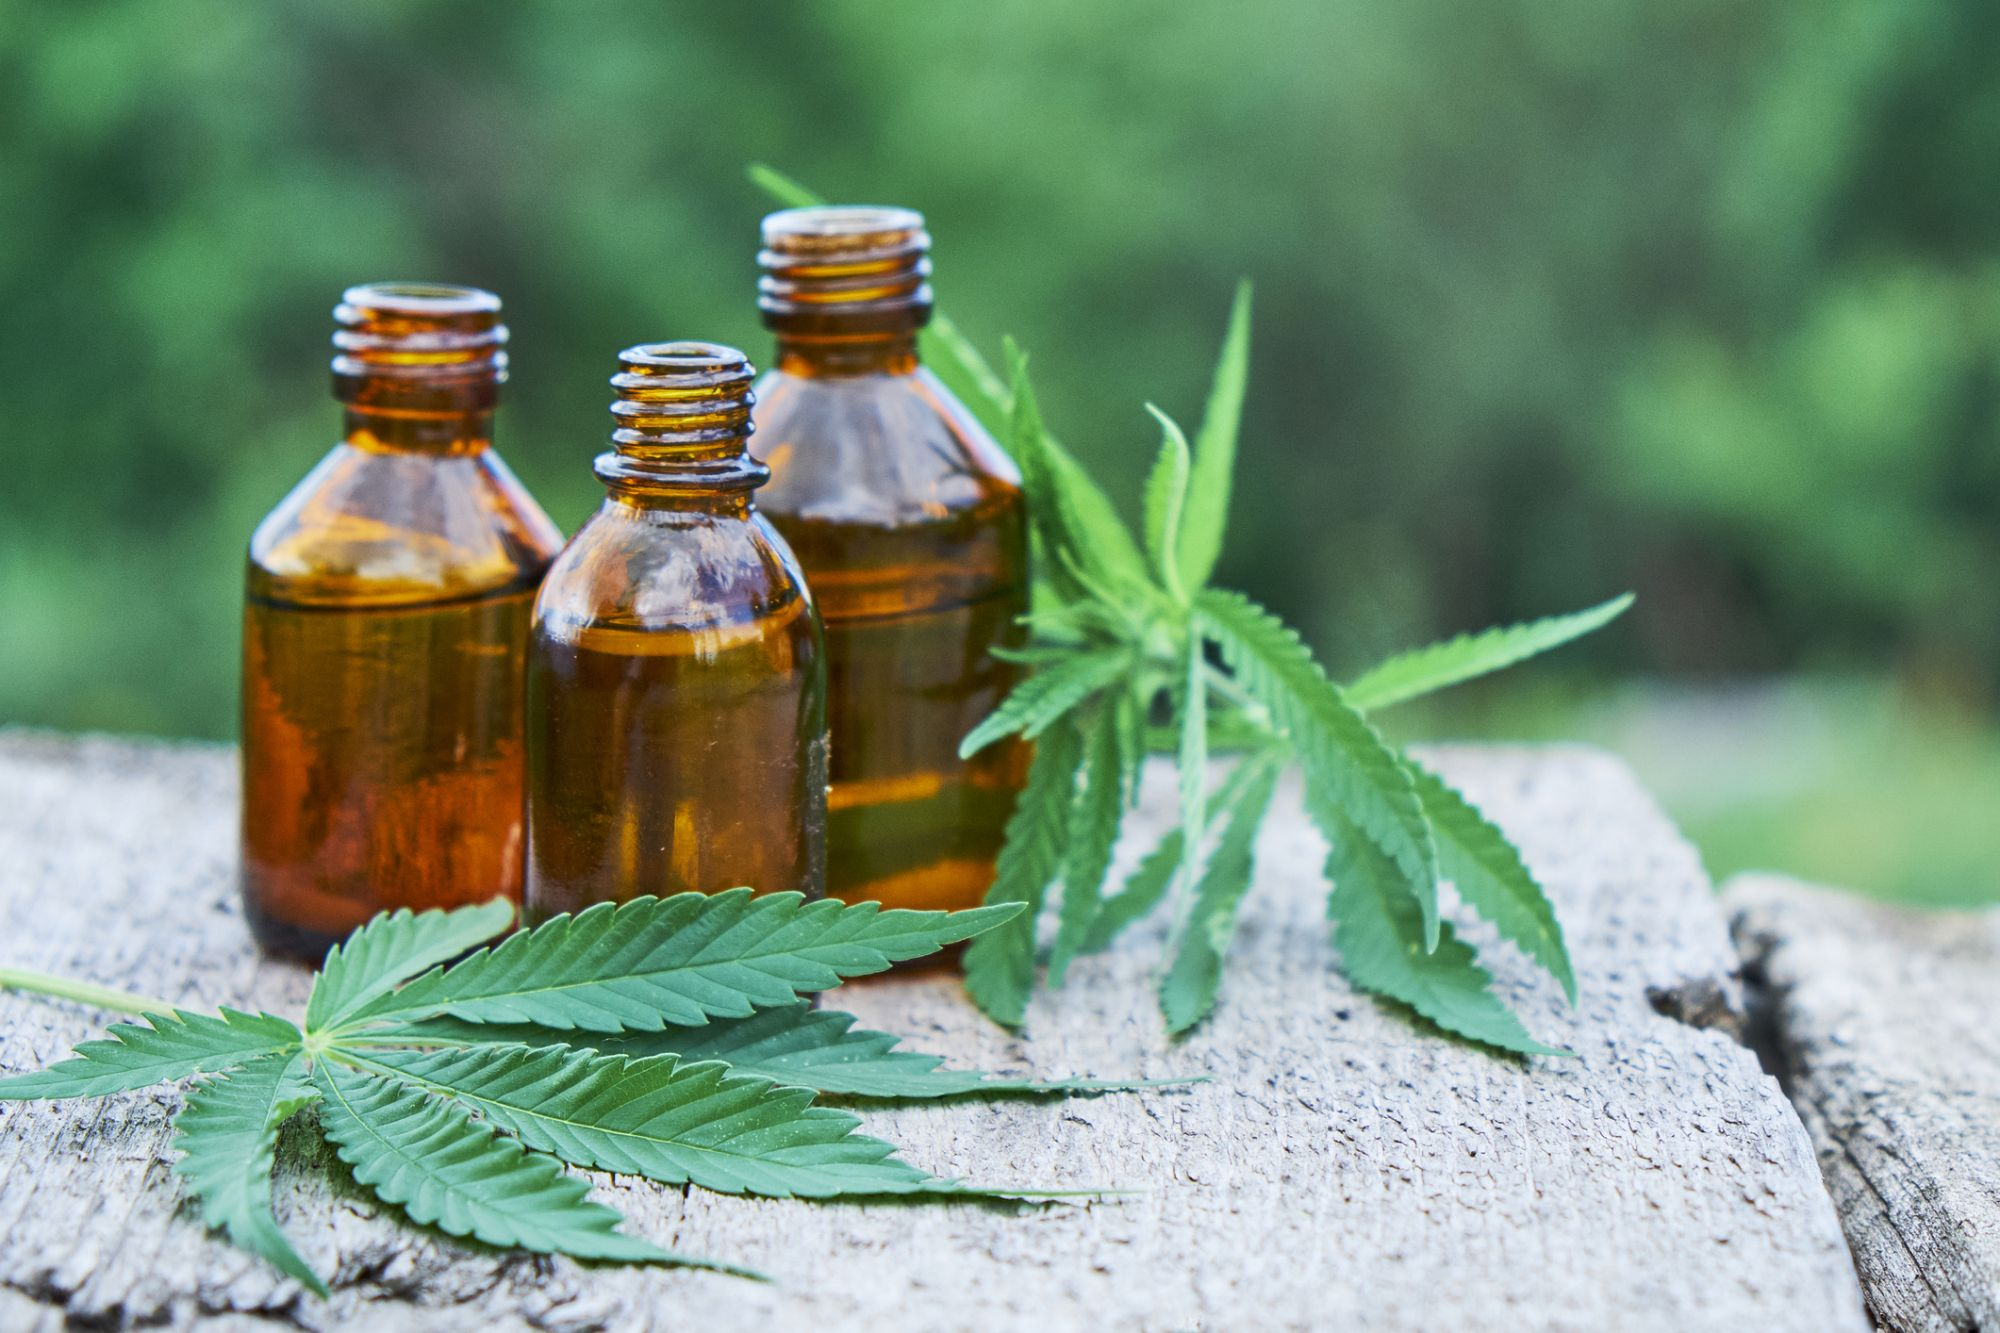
(1554, 300)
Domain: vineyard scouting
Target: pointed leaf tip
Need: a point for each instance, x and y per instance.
(1453, 661)
(1166, 499)
(168, 1047)
(782, 188)
(1377, 929)
(227, 1135)
(1213, 465)
(1491, 876)
(392, 947)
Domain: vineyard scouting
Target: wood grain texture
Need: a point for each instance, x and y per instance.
(1882, 1022)
(1343, 1169)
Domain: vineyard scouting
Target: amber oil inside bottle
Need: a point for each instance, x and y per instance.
(908, 519)
(384, 632)
(677, 685)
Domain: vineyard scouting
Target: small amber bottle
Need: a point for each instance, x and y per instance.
(384, 630)
(676, 676)
(909, 521)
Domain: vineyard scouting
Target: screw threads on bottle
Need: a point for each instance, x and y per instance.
(418, 347)
(845, 270)
(683, 417)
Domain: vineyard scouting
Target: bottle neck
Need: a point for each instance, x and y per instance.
(418, 367)
(845, 289)
(682, 426)
(441, 434)
(831, 356)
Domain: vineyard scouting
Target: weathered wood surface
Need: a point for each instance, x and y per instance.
(1342, 1169)
(1882, 1020)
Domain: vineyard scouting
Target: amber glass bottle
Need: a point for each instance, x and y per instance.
(908, 519)
(384, 630)
(677, 677)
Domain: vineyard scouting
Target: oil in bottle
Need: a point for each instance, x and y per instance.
(676, 680)
(908, 519)
(384, 631)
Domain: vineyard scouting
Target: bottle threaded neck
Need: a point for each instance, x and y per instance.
(837, 271)
(418, 347)
(682, 418)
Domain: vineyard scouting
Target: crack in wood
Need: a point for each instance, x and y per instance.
(1877, 1021)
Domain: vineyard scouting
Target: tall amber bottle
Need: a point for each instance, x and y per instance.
(677, 677)
(908, 519)
(384, 630)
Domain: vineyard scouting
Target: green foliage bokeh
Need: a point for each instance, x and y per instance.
(1553, 300)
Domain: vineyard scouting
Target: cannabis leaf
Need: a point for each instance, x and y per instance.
(1142, 893)
(464, 1177)
(1426, 670)
(1092, 835)
(1379, 935)
(1000, 965)
(228, 1137)
(1078, 526)
(1123, 630)
(1214, 462)
(1187, 991)
(175, 1045)
(1335, 745)
(389, 950)
(1166, 499)
(795, 1045)
(662, 1118)
(1046, 696)
(662, 1037)
(1491, 877)
(642, 964)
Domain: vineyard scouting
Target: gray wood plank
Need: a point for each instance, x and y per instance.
(1881, 1020)
(1343, 1169)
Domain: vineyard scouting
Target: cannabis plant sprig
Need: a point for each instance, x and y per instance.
(1122, 625)
(665, 1038)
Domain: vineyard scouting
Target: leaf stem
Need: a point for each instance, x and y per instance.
(101, 997)
(1224, 684)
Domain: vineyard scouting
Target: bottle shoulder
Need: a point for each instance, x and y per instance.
(878, 450)
(373, 528)
(675, 573)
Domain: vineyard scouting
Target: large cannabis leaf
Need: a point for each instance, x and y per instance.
(459, 1093)
(1125, 627)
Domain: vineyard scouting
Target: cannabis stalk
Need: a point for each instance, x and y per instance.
(665, 1038)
